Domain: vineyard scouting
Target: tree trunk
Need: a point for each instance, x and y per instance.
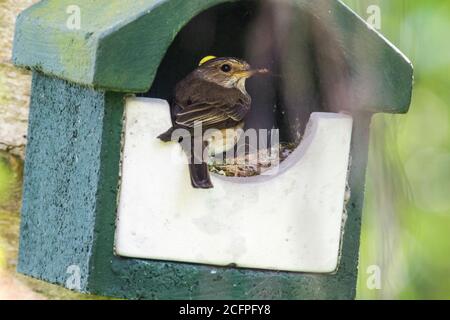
(14, 83)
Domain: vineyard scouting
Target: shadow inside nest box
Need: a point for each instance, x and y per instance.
(302, 53)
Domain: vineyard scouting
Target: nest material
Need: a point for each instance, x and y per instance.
(252, 164)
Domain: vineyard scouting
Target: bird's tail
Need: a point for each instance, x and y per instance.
(198, 168)
(166, 136)
(200, 178)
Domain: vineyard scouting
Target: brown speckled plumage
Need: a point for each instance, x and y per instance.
(214, 97)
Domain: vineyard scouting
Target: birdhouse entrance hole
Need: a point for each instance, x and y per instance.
(298, 48)
(294, 209)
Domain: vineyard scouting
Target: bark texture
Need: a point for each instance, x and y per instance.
(14, 83)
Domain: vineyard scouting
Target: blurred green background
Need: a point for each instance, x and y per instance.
(406, 225)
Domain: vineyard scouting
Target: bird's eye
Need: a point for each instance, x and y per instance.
(226, 68)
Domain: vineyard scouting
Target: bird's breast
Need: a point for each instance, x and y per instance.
(220, 141)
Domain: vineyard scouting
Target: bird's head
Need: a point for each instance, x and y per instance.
(227, 72)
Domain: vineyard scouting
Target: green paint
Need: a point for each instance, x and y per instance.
(61, 179)
(131, 65)
(121, 44)
(45, 43)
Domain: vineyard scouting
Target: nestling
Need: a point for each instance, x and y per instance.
(213, 96)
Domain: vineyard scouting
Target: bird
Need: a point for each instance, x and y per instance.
(212, 97)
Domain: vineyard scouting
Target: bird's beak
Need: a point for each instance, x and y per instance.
(251, 73)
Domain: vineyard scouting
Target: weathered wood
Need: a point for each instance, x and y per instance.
(96, 55)
(64, 153)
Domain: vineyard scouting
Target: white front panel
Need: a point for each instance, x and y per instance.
(291, 221)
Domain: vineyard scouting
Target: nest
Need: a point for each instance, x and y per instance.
(252, 164)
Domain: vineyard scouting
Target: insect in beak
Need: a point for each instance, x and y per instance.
(251, 73)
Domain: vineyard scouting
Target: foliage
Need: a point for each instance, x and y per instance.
(407, 211)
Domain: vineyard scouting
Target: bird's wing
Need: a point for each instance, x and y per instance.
(209, 115)
(210, 105)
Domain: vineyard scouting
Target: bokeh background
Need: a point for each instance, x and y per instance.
(406, 224)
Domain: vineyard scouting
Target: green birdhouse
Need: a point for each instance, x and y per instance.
(105, 211)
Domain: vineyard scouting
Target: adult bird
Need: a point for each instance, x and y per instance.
(212, 97)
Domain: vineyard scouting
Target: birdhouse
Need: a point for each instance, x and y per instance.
(108, 208)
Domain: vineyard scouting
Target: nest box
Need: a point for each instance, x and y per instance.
(104, 203)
